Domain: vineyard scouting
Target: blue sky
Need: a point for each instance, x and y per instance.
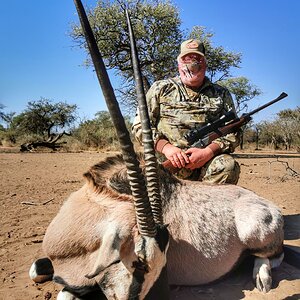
(38, 58)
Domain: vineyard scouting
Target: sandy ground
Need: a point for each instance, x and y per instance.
(34, 185)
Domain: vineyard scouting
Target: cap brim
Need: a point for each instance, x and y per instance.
(188, 52)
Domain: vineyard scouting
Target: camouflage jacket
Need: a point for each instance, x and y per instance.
(174, 109)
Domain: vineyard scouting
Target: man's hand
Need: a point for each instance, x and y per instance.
(176, 156)
(198, 157)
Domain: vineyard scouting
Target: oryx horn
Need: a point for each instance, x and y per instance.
(145, 220)
(150, 158)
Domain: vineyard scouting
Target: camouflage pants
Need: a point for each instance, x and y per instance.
(221, 169)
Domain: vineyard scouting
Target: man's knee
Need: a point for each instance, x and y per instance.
(227, 162)
(222, 163)
(222, 169)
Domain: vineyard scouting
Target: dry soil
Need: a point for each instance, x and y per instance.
(34, 185)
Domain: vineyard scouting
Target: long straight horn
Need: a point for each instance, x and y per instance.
(150, 158)
(144, 215)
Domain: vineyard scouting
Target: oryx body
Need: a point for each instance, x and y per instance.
(211, 228)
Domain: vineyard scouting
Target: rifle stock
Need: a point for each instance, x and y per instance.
(168, 165)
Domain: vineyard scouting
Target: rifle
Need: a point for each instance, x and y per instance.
(228, 123)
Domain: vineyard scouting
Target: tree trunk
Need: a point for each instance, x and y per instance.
(242, 140)
(257, 139)
(34, 145)
(50, 143)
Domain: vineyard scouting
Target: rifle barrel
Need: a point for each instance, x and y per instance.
(281, 96)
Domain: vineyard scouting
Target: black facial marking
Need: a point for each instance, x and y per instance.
(117, 240)
(43, 266)
(136, 284)
(162, 237)
(104, 280)
(91, 292)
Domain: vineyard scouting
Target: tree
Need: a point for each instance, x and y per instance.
(269, 133)
(2, 114)
(6, 117)
(7, 134)
(284, 129)
(45, 118)
(158, 35)
(257, 132)
(47, 121)
(289, 126)
(157, 30)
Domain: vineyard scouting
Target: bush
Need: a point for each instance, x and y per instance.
(8, 137)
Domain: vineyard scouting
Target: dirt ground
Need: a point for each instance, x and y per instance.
(34, 185)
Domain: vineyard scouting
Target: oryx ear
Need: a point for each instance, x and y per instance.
(109, 252)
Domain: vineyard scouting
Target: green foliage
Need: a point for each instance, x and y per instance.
(6, 117)
(2, 114)
(156, 25)
(289, 126)
(44, 118)
(99, 132)
(7, 135)
(41, 120)
(243, 91)
(283, 131)
(219, 60)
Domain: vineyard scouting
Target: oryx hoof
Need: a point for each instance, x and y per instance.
(64, 295)
(262, 274)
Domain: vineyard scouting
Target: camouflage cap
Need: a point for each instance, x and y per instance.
(191, 46)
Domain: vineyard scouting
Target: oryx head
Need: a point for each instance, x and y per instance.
(151, 237)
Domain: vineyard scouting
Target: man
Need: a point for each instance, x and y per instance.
(179, 104)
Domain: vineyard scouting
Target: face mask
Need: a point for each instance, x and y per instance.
(190, 69)
(192, 72)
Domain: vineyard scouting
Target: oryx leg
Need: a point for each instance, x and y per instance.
(262, 272)
(260, 227)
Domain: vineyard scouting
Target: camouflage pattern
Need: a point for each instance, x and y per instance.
(174, 109)
(221, 169)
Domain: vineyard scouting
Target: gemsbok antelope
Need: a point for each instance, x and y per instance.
(109, 241)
